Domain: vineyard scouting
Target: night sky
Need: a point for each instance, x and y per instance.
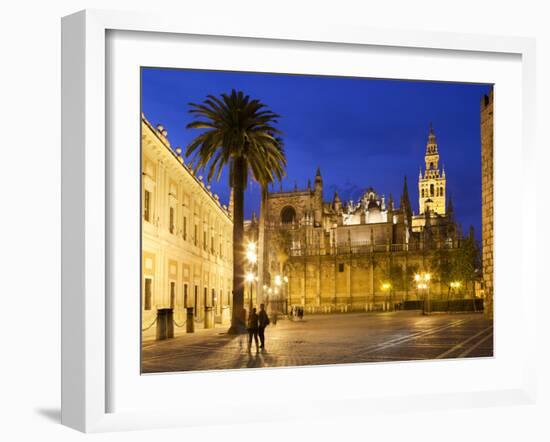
(361, 132)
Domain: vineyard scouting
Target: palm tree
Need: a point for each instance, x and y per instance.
(238, 134)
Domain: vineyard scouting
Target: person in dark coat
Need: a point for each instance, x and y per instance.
(263, 322)
(252, 327)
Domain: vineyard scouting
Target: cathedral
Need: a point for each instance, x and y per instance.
(354, 255)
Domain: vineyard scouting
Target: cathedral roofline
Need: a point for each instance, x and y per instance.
(288, 193)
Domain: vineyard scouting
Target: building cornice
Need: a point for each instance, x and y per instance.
(178, 162)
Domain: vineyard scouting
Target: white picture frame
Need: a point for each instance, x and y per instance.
(85, 214)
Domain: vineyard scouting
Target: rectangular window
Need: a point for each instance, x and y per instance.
(196, 236)
(204, 242)
(212, 245)
(147, 206)
(185, 228)
(341, 267)
(221, 249)
(172, 294)
(148, 294)
(185, 296)
(205, 296)
(172, 227)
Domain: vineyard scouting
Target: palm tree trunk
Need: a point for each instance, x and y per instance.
(261, 245)
(238, 314)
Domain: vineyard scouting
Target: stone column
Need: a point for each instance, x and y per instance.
(487, 199)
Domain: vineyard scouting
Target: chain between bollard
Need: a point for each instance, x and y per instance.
(178, 325)
(147, 328)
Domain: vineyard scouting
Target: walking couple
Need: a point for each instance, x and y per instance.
(256, 324)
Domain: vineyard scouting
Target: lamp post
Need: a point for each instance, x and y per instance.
(386, 288)
(422, 283)
(285, 280)
(250, 277)
(278, 282)
(252, 259)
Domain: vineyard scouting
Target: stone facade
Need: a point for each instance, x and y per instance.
(487, 199)
(187, 247)
(343, 256)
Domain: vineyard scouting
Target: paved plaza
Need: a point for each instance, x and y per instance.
(328, 339)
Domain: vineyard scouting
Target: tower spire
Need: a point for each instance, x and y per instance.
(431, 145)
(432, 184)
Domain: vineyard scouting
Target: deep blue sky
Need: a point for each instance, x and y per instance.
(360, 132)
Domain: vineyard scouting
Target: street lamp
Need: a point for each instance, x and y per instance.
(386, 288)
(422, 283)
(252, 258)
(251, 254)
(250, 277)
(285, 294)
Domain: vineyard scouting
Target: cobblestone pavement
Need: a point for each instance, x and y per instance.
(328, 339)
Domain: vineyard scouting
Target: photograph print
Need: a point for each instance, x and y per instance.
(302, 220)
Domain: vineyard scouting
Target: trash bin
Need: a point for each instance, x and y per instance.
(190, 322)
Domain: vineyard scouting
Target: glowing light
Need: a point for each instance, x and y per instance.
(278, 280)
(285, 279)
(417, 277)
(250, 277)
(251, 257)
(386, 286)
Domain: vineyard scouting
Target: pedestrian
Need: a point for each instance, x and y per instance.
(252, 327)
(263, 322)
(301, 313)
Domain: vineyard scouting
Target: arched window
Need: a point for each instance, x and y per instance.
(422, 193)
(441, 191)
(431, 190)
(288, 215)
(431, 166)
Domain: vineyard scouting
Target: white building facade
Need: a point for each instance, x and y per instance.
(187, 236)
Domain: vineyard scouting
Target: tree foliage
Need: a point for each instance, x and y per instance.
(457, 264)
(239, 134)
(236, 126)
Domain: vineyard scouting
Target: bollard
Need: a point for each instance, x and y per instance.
(190, 323)
(169, 322)
(208, 320)
(161, 324)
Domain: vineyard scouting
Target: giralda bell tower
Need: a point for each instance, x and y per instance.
(431, 185)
